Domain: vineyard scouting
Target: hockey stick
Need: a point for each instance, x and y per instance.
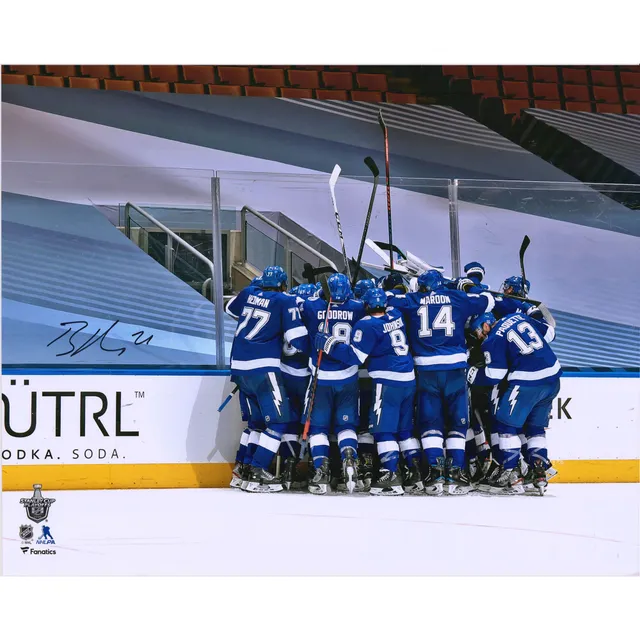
(523, 247)
(373, 167)
(310, 272)
(385, 132)
(335, 174)
(228, 399)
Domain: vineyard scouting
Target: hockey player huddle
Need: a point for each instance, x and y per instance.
(443, 390)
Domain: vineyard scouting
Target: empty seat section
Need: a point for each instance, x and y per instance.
(84, 83)
(631, 95)
(519, 90)
(155, 87)
(371, 81)
(366, 96)
(633, 109)
(225, 90)
(578, 106)
(48, 81)
(575, 76)
(514, 106)
(606, 94)
(304, 79)
(296, 94)
(350, 68)
(27, 69)
(65, 70)
(630, 79)
(545, 91)
(130, 71)
(119, 85)
(269, 77)
(604, 78)
(547, 104)
(183, 87)
(261, 92)
(576, 92)
(96, 70)
(331, 94)
(457, 71)
(515, 72)
(14, 78)
(487, 88)
(337, 80)
(164, 72)
(545, 74)
(401, 98)
(199, 73)
(485, 71)
(603, 107)
(234, 75)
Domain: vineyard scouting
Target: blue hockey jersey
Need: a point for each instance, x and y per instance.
(436, 325)
(507, 306)
(342, 318)
(265, 319)
(295, 362)
(381, 342)
(518, 348)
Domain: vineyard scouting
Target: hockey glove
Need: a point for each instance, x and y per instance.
(471, 374)
(324, 342)
(465, 284)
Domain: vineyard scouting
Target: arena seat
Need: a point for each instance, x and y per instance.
(119, 85)
(629, 79)
(337, 80)
(575, 76)
(96, 70)
(401, 98)
(234, 75)
(518, 90)
(515, 72)
(296, 94)
(48, 81)
(303, 78)
(84, 83)
(63, 70)
(268, 77)
(631, 95)
(164, 72)
(312, 67)
(547, 104)
(371, 81)
(606, 94)
(154, 87)
(331, 94)
(457, 71)
(604, 78)
(545, 74)
(27, 69)
(350, 68)
(514, 106)
(576, 92)
(184, 87)
(489, 72)
(579, 106)
(261, 92)
(199, 73)
(633, 109)
(545, 91)
(487, 88)
(366, 96)
(225, 90)
(130, 71)
(603, 107)
(14, 78)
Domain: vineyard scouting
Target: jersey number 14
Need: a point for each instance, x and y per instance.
(443, 320)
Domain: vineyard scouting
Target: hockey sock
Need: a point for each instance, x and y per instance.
(252, 443)
(537, 448)
(409, 446)
(290, 446)
(242, 449)
(523, 446)
(319, 443)
(366, 444)
(470, 445)
(268, 446)
(509, 449)
(482, 446)
(347, 439)
(495, 448)
(455, 445)
(388, 451)
(432, 443)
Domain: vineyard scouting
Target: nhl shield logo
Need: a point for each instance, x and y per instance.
(37, 507)
(26, 532)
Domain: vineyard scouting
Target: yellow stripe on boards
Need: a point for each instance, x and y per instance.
(205, 475)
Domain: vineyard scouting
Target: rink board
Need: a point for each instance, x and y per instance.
(162, 430)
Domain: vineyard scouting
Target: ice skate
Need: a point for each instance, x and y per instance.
(412, 482)
(484, 484)
(350, 471)
(365, 472)
(536, 479)
(261, 481)
(434, 480)
(456, 481)
(237, 476)
(388, 483)
(288, 473)
(506, 482)
(321, 480)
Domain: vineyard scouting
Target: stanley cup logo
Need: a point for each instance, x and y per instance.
(37, 507)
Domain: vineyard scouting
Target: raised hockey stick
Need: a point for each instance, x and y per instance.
(373, 167)
(227, 400)
(385, 133)
(335, 174)
(526, 241)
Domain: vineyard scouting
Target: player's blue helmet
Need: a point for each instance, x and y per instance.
(257, 282)
(273, 277)
(362, 286)
(515, 282)
(339, 287)
(430, 280)
(475, 270)
(375, 298)
(306, 290)
(478, 321)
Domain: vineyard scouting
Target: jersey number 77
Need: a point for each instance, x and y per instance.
(261, 316)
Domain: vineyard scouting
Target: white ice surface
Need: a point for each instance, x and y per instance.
(574, 530)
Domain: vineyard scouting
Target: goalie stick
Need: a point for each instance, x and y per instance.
(385, 133)
(369, 161)
(335, 174)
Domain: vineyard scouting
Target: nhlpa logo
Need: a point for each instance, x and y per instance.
(46, 537)
(26, 532)
(36, 506)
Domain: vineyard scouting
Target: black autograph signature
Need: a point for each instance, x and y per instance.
(96, 337)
